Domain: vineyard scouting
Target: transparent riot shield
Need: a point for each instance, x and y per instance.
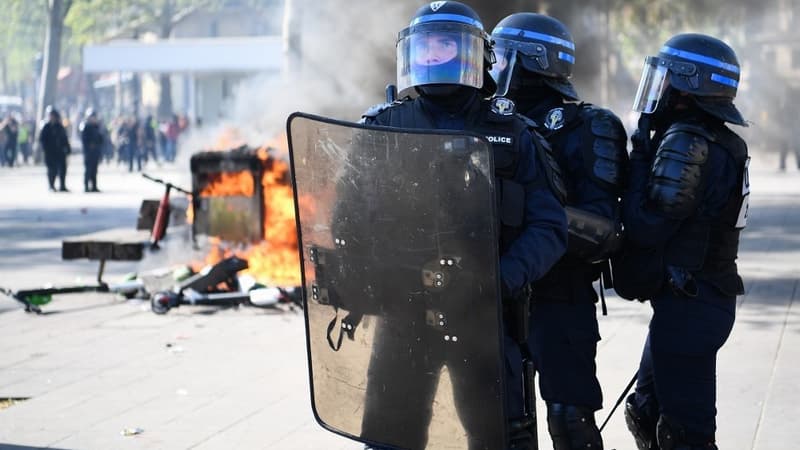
(399, 257)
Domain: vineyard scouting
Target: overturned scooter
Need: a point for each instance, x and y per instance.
(219, 285)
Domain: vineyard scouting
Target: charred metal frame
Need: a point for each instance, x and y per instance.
(204, 166)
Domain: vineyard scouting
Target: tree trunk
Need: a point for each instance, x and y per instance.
(165, 108)
(52, 56)
(56, 11)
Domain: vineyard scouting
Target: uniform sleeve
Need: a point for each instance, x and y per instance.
(644, 226)
(544, 237)
(648, 227)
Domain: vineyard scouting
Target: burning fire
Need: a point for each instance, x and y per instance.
(274, 261)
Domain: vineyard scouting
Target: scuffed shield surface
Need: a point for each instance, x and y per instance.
(398, 238)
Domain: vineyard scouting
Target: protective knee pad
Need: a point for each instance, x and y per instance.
(672, 436)
(641, 425)
(572, 427)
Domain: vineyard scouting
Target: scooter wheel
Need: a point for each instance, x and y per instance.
(161, 302)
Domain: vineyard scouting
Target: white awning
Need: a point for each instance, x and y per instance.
(238, 54)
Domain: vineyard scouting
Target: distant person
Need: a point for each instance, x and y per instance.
(133, 140)
(107, 148)
(55, 144)
(171, 132)
(10, 130)
(149, 139)
(24, 137)
(92, 140)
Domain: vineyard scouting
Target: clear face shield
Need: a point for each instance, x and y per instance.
(508, 54)
(439, 54)
(651, 86)
(503, 68)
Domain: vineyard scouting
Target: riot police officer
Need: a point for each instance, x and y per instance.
(444, 56)
(92, 141)
(56, 147)
(535, 55)
(686, 204)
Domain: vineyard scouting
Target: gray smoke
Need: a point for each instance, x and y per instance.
(346, 57)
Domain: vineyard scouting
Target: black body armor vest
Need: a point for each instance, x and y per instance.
(599, 138)
(502, 128)
(704, 245)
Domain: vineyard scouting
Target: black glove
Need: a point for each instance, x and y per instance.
(640, 139)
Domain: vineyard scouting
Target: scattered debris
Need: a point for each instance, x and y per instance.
(10, 401)
(131, 431)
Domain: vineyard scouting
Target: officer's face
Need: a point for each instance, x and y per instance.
(434, 49)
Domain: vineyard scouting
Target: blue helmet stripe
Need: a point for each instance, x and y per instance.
(696, 57)
(533, 35)
(446, 18)
(566, 57)
(724, 80)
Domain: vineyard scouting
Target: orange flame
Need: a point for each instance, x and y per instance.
(229, 184)
(274, 261)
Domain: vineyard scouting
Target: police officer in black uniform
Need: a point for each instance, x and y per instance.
(55, 145)
(686, 205)
(535, 54)
(92, 141)
(444, 56)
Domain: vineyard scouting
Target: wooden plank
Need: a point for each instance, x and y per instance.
(118, 244)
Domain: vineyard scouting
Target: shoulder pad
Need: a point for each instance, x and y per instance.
(604, 123)
(376, 110)
(677, 174)
(604, 153)
(690, 128)
(685, 142)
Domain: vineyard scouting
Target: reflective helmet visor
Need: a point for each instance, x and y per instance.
(502, 69)
(651, 86)
(429, 54)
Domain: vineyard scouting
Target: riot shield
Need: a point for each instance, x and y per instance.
(398, 242)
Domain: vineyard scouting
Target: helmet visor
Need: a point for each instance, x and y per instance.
(502, 69)
(428, 55)
(651, 86)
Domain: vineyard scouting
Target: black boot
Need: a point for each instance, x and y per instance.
(672, 436)
(572, 427)
(641, 423)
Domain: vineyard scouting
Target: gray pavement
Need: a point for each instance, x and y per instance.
(205, 378)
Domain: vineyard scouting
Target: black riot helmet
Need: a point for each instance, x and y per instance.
(696, 64)
(534, 43)
(445, 44)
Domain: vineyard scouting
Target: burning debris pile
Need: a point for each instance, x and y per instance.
(243, 203)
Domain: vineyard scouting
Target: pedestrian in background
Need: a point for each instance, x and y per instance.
(10, 130)
(55, 144)
(92, 140)
(24, 137)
